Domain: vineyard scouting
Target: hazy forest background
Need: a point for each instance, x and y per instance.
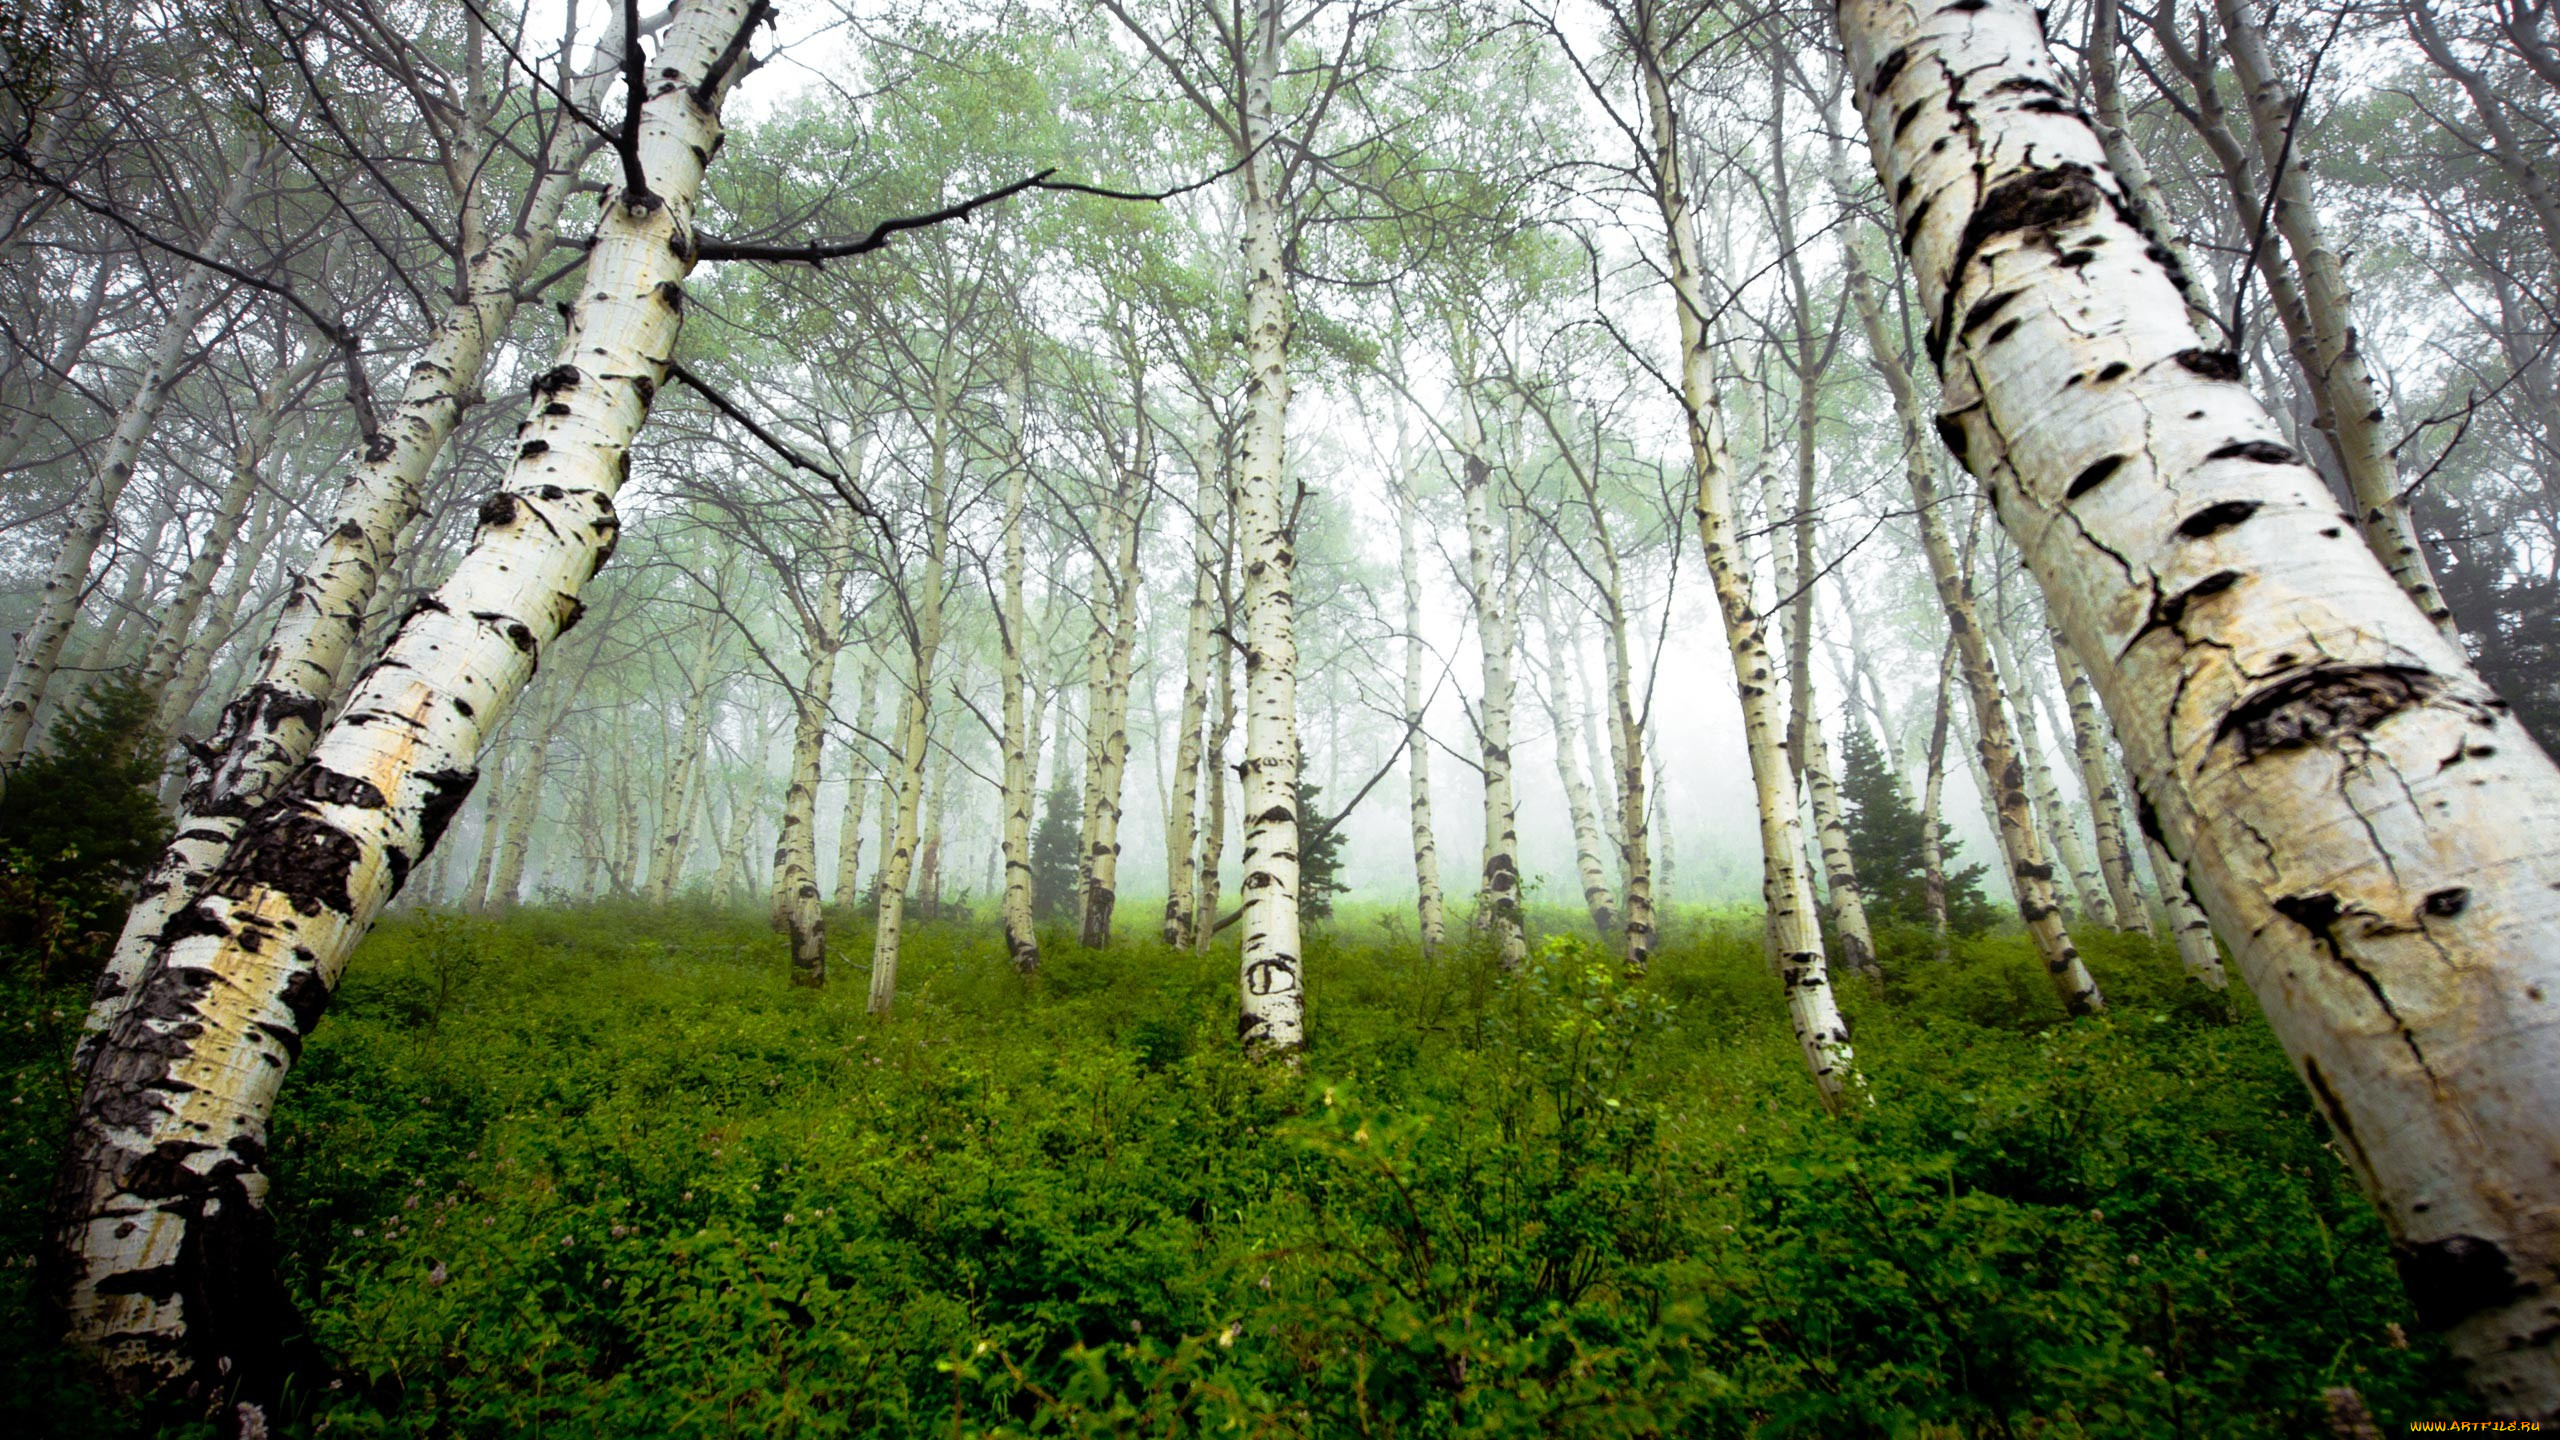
(1302, 717)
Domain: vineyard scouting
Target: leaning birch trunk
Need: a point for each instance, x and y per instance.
(2097, 781)
(1021, 935)
(193, 678)
(2004, 790)
(106, 647)
(2194, 932)
(797, 901)
(162, 657)
(2359, 814)
(267, 730)
(1498, 890)
(1110, 739)
(857, 792)
(1580, 809)
(1429, 911)
(94, 512)
(2051, 813)
(2332, 347)
(1785, 888)
(1272, 1014)
(1182, 814)
(1933, 843)
(906, 791)
(675, 802)
(161, 1229)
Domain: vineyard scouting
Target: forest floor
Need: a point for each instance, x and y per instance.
(601, 1171)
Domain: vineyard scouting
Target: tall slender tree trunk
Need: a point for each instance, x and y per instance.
(857, 791)
(2051, 813)
(2187, 922)
(93, 513)
(107, 647)
(906, 794)
(1933, 835)
(684, 770)
(2097, 781)
(2359, 814)
(475, 894)
(1182, 813)
(1107, 734)
(1489, 574)
(2336, 358)
(269, 728)
(1430, 913)
(167, 649)
(797, 901)
(1580, 809)
(1021, 760)
(1272, 1019)
(1213, 761)
(2005, 787)
(191, 680)
(160, 1231)
(1785, 888)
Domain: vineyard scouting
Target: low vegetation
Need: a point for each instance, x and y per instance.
(599, 1171)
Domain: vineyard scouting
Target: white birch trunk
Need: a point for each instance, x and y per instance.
(268, 729)
(684, 770)
(2097, 782)
(1489, 575)
(2004, 788)
(1785, 889)
(857, 792)
(1430, 911)
(1272, 1016)
(1021, 760)
(906, 791)
(1107, 729)
(797, 902)
(39, 647)
(2197, 950)
(195, 659)
(2051, 814)
(161, 1229)
(1580, 809)
(2359, 814)
(1182, 811)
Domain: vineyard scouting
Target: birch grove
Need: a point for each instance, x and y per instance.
(470, 494)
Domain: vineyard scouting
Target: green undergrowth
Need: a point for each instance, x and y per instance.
(600, 1171)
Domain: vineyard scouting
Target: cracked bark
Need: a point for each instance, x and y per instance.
(163, 1251)
(2357, 812)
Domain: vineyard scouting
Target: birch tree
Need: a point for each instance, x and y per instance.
(2353, 806)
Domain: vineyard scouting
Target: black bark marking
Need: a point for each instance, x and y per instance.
(1902, 120)
(2322, 703)
(2265, 452)
(2173, 611)
(2446, 903)
(556, 379)
(2452, 1279)
(1951, 435)
(2216, 518)
(2115, 370)
(328, 787)
(1890, 67)
(1983, 310)
(2211, 364)
(2091, 478)
(1911, 237)
(2037, 200)
(498, 510)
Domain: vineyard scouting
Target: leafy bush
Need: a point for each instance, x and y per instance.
(601, 1172)
(78, 827)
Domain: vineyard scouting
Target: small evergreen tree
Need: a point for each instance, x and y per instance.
(1886, 838)
(80, 825)
(1319, 857)
(1053, 853)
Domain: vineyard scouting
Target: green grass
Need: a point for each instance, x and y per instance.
(602, 1172)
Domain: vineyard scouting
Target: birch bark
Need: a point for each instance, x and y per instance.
(2097, 782)
(1108, 735)
(1182, 812)
(1429, 911)
(93, 513)
(675, 803)
(2004, 791)
(2359, 814)
(857, 792)
(1785, 889)
(1489, 576)
(1272, 1013)
(797, 901)
(2051, 814)
(1580, 810)
(906, 795)
(1021, 937)
(269, 728)
(161, 1230)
